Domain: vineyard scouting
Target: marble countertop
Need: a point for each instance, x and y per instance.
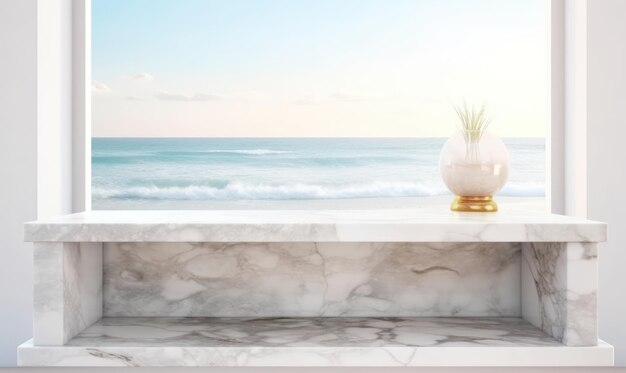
(400, 225)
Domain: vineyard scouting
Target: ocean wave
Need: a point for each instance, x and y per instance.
(221, 151)
(242, 191)
(247, 151)
(189, 156)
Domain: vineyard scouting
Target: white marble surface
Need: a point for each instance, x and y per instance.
(388, 264)
(400, 225)
(312, 332)
(67, 290)
(314, 342)
(312, 279)
(559, 290)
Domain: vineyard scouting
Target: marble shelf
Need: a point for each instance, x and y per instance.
(403, 225)
(314, 288)
(256, 342)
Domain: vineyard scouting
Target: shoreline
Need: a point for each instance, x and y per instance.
(434, 203)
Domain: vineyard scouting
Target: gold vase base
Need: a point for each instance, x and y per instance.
(474, 204)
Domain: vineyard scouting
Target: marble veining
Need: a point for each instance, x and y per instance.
(559, 285)
(314, 342)
(312, 279)
(399, 225)
(314, 288)
(311, 332)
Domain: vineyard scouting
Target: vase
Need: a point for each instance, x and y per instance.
(474, 170)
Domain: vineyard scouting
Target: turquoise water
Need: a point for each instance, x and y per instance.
(175, 169)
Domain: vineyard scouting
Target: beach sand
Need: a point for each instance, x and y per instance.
(437, 203)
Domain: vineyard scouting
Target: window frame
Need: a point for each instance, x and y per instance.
(566, 184)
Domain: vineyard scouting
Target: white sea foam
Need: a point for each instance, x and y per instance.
(241, 191)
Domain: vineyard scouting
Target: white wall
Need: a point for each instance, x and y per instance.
(54, 107)
(606, 165)
(35, 146)
(18, 161)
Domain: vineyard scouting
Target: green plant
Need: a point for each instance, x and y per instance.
(473, 125)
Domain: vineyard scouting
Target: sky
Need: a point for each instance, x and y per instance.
(316, 68)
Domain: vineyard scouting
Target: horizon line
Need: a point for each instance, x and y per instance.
(297, 137)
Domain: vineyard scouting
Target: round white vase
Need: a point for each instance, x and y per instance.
(474, 171)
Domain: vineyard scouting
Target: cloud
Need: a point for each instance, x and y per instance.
(99, 87)
(246, 96)
(133, 98)
(308, 99)
(144, 77)
(196, 97)
(354, 96)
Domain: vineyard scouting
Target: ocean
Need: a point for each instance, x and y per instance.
(163, 171)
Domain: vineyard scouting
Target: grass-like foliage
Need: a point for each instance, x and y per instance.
(474, 123)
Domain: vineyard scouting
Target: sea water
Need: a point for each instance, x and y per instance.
(156, 171)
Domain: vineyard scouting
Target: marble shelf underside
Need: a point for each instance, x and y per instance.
(384, 341)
